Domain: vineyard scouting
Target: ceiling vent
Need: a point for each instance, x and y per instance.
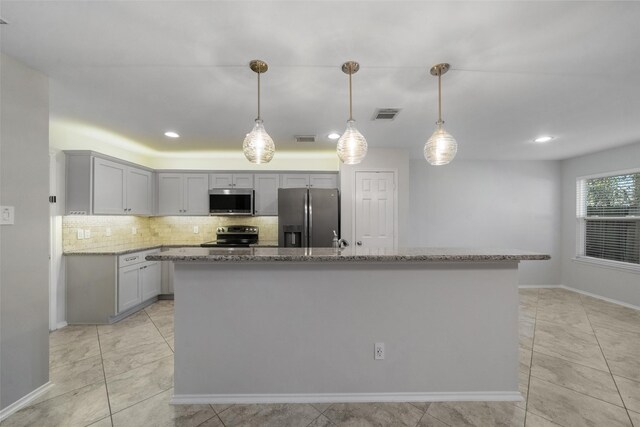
(305, 138)
(3, 22)
(386, 113)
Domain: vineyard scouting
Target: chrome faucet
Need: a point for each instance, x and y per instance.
(338, 243)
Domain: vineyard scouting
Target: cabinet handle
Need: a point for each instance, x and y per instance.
(131, 258)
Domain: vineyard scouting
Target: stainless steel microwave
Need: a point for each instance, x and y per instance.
(224, 201)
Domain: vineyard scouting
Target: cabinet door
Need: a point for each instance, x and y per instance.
(243, 180)
(150, 280)
(295, 180)
(220, 180)
(196, 194)
(139, 191)
(109, 187)
(128, 287)
(170, 194)
(266, 201)
(323, 180)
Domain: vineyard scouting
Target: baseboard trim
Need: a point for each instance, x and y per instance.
(538, 286)
(61, 325)
(611, 300)
(196, 399)
(24, 401)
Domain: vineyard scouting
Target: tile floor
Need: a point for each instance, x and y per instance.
(579, 366)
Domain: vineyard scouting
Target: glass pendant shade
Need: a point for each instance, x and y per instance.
(258, 147)
(352, 147)
(441, 148)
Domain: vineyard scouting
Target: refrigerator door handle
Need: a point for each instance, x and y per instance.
(310, 219)
(305, 230)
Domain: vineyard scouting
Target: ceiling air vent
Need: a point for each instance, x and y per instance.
(386, 113)
(305, 138)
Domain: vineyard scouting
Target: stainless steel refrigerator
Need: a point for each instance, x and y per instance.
(308, 217)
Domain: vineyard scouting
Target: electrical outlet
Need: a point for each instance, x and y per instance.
(378, 351)
(80, 234)
(134, 230)
(196, 230)
(8, 214)
(107, 231)
(87, 233)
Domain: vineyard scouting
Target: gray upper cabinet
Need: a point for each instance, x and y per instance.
(266, 198)
(109, 187)
(311, 180)
(294, 180)
(97, 186)
(230, 180)
(139, 194)
(323, 180)
(183, 194)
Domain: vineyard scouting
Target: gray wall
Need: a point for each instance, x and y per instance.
(611, 283)
(24, 248)
(494, 204)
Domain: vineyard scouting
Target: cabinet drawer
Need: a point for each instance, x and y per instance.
(129, 259)
(134, 258)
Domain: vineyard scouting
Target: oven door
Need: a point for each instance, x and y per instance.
(224, 201)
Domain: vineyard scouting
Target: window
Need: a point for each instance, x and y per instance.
(608, 214)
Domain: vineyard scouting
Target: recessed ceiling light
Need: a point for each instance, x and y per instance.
(543, 139)
(333, 135)
(171, 135)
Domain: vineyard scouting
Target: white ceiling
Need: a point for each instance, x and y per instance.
(519, 70)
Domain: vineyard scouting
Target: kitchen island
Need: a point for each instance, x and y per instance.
(300, 325)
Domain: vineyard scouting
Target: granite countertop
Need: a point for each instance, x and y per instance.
(257, 254)
(127, 249)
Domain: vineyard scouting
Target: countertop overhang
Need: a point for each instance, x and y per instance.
(398, 255)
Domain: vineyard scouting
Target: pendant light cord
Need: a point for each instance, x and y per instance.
(439, 97)
(258, 96)
(350, 95)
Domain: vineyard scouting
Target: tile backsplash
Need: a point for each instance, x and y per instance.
(169, 230)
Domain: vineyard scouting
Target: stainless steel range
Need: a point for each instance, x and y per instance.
(234, 236)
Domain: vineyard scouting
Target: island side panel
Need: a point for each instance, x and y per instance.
(309, 329)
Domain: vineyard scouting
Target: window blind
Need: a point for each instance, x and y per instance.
(609, 217)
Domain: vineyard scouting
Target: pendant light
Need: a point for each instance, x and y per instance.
(352, 147)
(441, 148)
(258, 147)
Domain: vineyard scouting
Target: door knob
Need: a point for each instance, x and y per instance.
(359, 243)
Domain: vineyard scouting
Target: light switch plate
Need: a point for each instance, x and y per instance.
(80, 234)
(7, 216)
(196, 229)
(134, 230)
(87, 233)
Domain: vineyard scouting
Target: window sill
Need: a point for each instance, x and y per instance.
(614, 265)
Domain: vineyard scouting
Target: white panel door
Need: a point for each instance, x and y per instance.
(375, 209)
(170, 194)
(109, 187)
(139, 191)
(196, 194)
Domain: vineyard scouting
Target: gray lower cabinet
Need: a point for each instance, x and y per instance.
(102, 289)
